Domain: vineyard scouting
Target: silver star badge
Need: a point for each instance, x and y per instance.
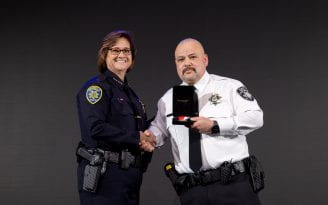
(215, 99)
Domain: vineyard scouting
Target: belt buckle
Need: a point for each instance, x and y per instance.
(206, 178)
(194, 179)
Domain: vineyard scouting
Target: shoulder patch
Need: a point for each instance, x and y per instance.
(93, 94)
(243, 92)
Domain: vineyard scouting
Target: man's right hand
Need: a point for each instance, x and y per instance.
(147, 141)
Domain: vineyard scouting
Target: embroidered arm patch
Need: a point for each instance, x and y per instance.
(93, 94)
(243, 92)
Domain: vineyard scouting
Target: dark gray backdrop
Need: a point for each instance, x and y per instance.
(48, 50)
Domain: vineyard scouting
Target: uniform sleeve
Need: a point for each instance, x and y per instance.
(158, 125)
(247, 115)
(93, 115)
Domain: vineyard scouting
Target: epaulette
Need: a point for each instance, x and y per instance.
(101, 77)
(103, 81)
(91, 81)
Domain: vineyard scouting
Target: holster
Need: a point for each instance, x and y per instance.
(256, 172)
(94, 169)
(177, 181)
(91, 177)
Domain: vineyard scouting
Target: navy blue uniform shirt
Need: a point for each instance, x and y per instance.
(107, 109)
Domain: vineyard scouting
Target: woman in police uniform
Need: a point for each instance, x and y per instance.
(112, 118)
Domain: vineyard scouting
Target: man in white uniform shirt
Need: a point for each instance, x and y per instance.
(227, 112)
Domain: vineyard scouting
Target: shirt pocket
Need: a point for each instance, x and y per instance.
(122, 106)
(221, 109)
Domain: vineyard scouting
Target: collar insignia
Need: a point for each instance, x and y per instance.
(119, 82)
(142, 105)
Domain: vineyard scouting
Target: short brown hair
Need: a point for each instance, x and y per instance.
(107, 43)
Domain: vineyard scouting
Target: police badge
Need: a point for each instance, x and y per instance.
(215, 99)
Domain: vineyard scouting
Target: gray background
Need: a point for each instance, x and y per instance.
(48, 50)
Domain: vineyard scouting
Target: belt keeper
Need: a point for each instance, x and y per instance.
(126, 159)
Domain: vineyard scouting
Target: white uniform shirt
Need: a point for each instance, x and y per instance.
(222, 99)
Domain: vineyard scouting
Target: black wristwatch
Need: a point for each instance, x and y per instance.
(215, 128)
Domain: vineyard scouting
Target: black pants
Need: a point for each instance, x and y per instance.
(116, 187)
(237, 192)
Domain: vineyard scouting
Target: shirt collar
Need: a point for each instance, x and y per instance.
(200, 85)
(113, 77)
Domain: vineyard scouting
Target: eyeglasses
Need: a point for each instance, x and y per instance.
(117, 51)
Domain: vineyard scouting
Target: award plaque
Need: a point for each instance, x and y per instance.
(185, 104)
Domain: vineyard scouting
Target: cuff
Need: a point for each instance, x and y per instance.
(226, 125)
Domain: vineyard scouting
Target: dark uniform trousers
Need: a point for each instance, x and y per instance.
(237, 192)
(117, 186)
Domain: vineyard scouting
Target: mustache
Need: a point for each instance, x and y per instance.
(188, 68)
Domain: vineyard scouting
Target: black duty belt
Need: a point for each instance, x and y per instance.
(124, 158)
(223, 174)
(183, 182)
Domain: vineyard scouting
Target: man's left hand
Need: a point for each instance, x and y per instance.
(202, 124)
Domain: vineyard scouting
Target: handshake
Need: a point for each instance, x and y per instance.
(147, 141)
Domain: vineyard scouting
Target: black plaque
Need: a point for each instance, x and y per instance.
(185, 104)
